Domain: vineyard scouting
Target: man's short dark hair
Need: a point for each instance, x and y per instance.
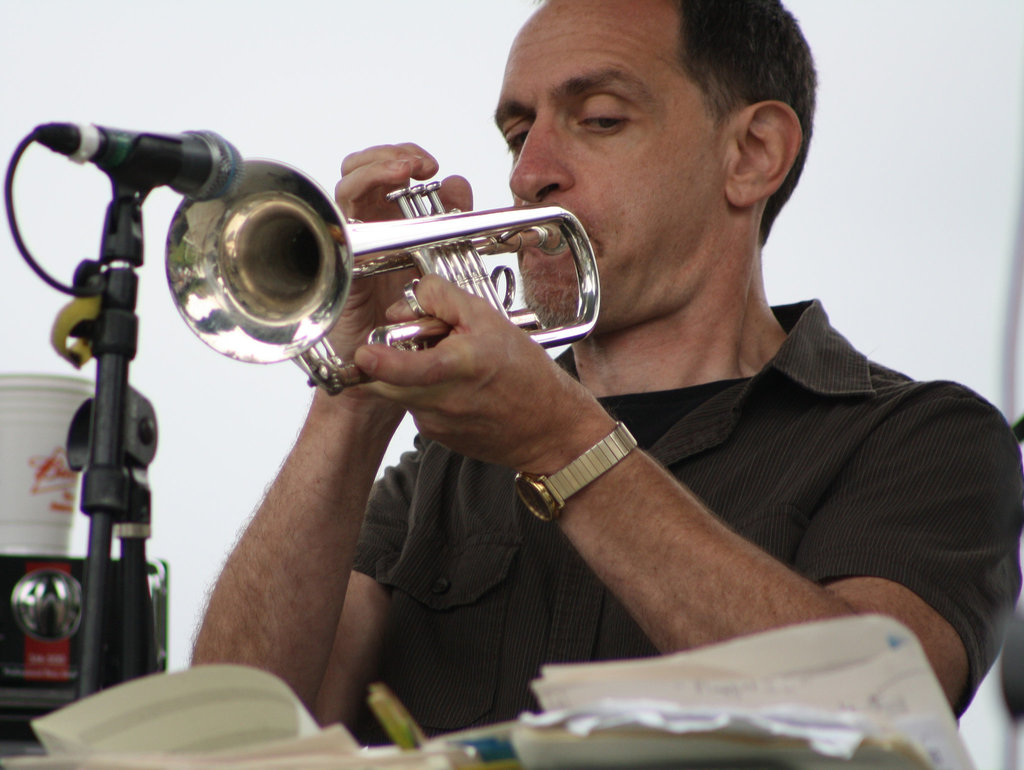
(744, 51)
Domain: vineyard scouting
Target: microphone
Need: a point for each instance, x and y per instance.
(199, 164)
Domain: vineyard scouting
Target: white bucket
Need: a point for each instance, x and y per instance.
(38, 490)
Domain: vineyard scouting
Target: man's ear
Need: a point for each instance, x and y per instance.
(765, 138)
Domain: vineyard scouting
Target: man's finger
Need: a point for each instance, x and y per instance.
(456, 193)
(407, 368)
(407, 151)
(446, 301)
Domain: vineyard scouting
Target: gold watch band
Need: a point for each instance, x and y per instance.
(600, 458)
(545, 496)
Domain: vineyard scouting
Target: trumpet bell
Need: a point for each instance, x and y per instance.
(262, 275)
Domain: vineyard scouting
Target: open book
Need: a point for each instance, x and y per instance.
(223, 717)
(846, 692)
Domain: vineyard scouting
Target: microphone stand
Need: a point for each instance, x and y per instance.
(112, 440)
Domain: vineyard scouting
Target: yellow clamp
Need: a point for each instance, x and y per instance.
(71, 315)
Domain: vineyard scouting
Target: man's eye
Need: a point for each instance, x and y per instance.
(516, 141)
(603, 124)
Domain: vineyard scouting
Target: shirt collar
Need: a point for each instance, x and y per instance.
(816, 356)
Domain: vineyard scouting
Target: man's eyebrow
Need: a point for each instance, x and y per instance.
(634, 87)
(594, 81)
(509, 110)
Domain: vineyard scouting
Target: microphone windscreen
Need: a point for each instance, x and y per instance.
(226, 171)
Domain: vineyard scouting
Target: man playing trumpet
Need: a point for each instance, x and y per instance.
(780, 476)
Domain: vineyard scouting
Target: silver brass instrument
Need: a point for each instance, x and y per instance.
(262, 275)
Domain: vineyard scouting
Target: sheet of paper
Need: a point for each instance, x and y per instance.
(869, 665)
(215, 717)
(202, 709)
(546, 749)
(322, 752)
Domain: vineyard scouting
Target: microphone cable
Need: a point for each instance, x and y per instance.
(12, 221)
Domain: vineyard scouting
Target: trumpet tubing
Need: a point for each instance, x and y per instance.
(262, 275)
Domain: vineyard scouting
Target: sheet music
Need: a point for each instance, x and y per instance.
(870, 666)
(846, 693)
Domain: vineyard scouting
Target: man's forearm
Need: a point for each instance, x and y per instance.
(277, 602)
(689, 580)
(686, 577)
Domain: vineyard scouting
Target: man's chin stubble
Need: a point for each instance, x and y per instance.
(552, 299)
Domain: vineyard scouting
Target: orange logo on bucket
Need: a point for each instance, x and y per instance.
(53, 476)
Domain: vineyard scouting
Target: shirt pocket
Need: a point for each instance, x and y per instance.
(442, 642)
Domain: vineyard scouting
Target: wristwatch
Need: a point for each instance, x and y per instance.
(545, 496)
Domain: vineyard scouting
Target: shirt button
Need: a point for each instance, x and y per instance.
(441, 586)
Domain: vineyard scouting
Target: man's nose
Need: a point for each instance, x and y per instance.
(541, 168)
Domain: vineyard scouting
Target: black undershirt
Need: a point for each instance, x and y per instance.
(649, 415)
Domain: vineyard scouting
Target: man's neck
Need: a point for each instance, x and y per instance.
(681, 350)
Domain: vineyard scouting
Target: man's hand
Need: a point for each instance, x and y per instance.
(367, 177)
(487, 390)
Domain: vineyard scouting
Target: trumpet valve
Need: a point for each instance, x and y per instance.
(421, 200)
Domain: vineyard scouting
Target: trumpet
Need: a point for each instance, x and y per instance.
(262, 274)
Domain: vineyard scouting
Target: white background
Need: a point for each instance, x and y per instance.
(903, 224)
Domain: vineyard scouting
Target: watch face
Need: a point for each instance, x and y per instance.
(536, 497)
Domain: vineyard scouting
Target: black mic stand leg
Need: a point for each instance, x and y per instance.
(138, 630)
